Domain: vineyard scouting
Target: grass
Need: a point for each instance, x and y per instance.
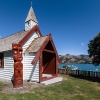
(69, 89)
(1, 85)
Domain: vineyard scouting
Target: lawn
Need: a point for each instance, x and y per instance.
(70, 88)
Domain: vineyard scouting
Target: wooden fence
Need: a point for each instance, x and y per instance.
(79, 72)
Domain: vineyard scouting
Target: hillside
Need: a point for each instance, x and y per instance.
(75, 59)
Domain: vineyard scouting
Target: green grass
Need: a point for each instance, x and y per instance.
(1, 85)
(69, 89)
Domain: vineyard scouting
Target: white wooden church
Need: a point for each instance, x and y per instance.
(40, 58)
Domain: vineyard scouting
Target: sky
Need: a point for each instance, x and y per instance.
(72, 23)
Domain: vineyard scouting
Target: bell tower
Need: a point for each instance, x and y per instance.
(30, 20)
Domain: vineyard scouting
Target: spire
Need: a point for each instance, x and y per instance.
(31, 15)
(31, 20)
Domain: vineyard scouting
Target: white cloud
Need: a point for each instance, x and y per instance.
(82, 44)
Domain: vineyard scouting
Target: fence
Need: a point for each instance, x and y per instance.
(79, 73)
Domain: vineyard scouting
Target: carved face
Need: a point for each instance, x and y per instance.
(17, 52)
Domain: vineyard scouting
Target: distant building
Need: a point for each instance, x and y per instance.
(40, 58)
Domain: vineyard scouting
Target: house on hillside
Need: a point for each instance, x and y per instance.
(40, 58)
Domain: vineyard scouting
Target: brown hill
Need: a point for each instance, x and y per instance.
(75, 59)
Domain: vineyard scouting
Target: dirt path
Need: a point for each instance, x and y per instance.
(27, 86)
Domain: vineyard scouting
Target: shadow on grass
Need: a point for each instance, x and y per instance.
(92, 79)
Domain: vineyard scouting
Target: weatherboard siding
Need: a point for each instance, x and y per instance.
(29, 40)
(30, 72)
(7, 72)
(27, 26)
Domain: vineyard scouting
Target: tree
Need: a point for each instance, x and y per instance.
(94, 50)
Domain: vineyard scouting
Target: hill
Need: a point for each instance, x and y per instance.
(75, 59)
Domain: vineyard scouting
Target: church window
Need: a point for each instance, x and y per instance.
(1, 60)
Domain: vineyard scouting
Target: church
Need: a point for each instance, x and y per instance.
(39, 55)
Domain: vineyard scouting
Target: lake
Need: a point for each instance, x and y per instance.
(84, 67)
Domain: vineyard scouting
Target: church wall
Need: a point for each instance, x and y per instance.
(6, 73)
(29, 40)
(30, 72)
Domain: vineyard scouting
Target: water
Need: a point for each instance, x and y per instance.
(83, 67)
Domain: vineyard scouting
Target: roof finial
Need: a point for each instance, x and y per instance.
(31, 3)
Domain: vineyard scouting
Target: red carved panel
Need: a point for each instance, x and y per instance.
(18, 66)
(17, 52)
(49, 63)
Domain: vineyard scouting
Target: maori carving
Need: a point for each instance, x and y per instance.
(18, 66)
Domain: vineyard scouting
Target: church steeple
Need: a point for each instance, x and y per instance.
(30, 20)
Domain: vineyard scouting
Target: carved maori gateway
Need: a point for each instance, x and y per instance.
(18, 66)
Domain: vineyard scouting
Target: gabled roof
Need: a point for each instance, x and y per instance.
(31, 16)
(6, 43)
(36, 44)
(42, 41)
(20, 37)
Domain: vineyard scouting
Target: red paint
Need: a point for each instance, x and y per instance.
(54, 47)
(49, 63)
(18, 66)
(36, 28)
(48, 59)
(40, 68)
(40, 50)
(48, 51)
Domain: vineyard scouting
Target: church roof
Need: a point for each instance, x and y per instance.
(39, 44)
(31, 16)
(21, 37)
(36, 44)
(6, 43)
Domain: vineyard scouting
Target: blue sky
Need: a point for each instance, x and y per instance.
(72, 22)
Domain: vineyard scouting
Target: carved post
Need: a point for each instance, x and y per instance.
(18, 66)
